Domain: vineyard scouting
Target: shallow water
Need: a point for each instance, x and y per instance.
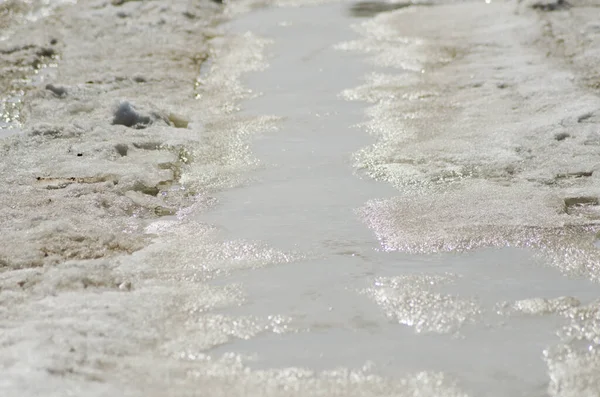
(306, 199)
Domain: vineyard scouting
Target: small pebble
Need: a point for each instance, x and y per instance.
(561, 136)
(125, 286)
(122, 149)
(178, 120)
(127, 115)
(57, 90)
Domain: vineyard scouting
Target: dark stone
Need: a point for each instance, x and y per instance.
(127, 115)
(45, 52)
(561, 136)
(365, 9)
(57, 90)
(122, 149)
(554, 5)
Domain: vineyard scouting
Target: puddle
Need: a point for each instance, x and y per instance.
(334, 324)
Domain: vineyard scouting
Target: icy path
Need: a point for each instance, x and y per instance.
(306, 195)
(306, 199)
(444, 247)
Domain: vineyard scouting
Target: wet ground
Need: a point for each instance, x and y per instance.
(282, 199)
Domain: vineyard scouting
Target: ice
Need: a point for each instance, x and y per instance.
(289, 201)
